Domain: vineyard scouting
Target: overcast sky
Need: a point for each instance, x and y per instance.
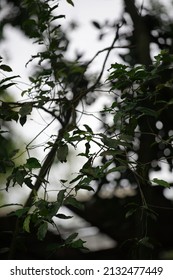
(19, 49)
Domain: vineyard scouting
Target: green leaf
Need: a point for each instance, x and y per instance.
(20, 176)
(131, 126)
(91, 171)
(61, 196)
(62, 153)
(22, 120)
(87, 145)
(71, 238)
(32, 163)
(62, 216)
(147, 111)
(42, 230)
(7, 86)
(76, 179)
(78, 244)
(118, 168)
(25, 109)
(109, 142)
(75, 138)
(52, 210)
(6, 112)
(152, 214)
(26, 223)
(53, 207)
(88, 128)
(63, 181)
(170, 101)
(28, 182)
(70, 200)
(20, 212)
(70, 2)
(161, 182)
(57, 17)
(130, 212)
(8, 79)
(146, 242)
(96, 24)
(83, 187)
(54, 7)
(5, 68)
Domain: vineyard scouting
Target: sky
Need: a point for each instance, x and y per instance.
(83, 13)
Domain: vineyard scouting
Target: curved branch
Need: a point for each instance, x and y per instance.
(92, 87)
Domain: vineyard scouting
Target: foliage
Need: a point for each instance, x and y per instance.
(133, 140)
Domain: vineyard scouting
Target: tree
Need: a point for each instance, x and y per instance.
(133, 140)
